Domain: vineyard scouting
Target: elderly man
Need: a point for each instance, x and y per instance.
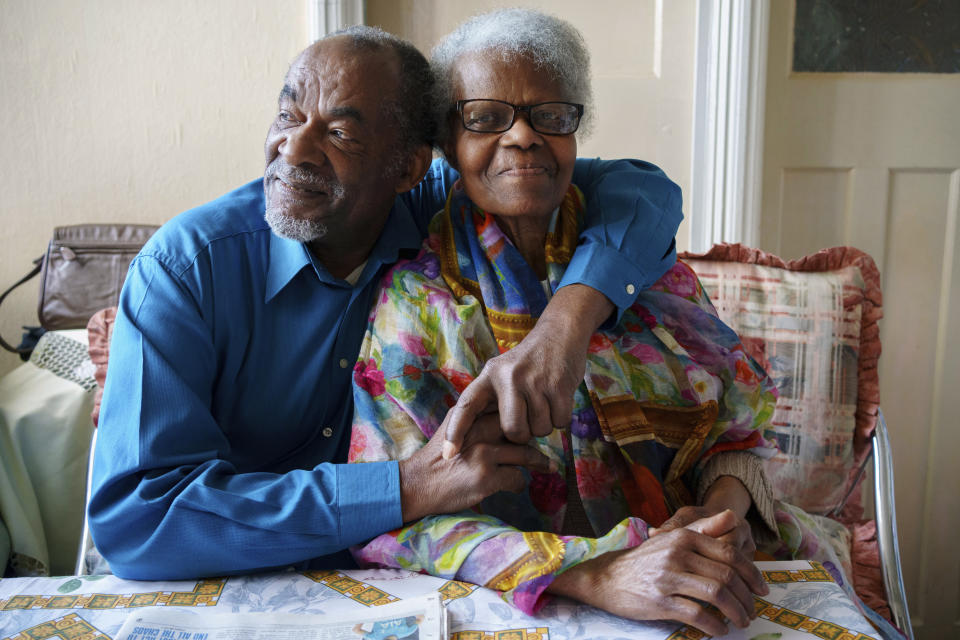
(227, 409)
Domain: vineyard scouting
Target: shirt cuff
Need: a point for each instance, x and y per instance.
(748, 469)
(368, 499)
(609, 272)
(530, 594)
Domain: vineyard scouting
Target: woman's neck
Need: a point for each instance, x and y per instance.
(529, 235)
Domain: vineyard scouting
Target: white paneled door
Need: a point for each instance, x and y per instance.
(872, 160)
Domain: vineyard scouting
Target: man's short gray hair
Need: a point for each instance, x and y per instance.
(412, 111)
(550, 43)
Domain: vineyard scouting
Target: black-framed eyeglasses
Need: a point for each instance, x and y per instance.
(497, 116)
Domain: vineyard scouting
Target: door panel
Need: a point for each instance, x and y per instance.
(872, 160)
(810, 198)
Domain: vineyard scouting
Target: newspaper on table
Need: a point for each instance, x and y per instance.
(422, 618)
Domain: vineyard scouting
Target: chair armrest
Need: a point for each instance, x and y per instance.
(887, 527)
(86, 540)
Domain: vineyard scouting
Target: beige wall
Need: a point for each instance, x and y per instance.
(128, 111)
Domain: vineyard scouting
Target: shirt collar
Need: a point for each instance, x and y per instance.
(399, 234)
(289, 257)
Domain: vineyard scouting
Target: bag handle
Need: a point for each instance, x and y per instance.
(37, 265)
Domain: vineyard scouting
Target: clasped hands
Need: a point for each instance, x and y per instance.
(521, 394)
(674, 575)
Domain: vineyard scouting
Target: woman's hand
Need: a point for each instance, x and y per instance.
(739, 536)
(532, 384)
(672, 576)
(727, 493)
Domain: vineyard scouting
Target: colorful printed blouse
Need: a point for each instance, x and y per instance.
(666, 389)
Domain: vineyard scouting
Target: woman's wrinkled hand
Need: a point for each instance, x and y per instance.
(674, 575)
(739, 536)
(726, 493)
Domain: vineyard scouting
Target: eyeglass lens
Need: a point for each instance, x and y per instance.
(491, 116)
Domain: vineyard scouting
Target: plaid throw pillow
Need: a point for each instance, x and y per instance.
(812, 324)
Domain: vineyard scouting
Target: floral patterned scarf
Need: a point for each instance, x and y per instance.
(478, 259)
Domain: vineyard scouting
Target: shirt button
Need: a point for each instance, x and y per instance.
(630, 289)
(327, 432)
(343, 363)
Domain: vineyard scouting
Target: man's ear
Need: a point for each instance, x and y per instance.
(416, 168)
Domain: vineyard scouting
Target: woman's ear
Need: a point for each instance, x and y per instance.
(449, 146)
(450, 155)
(416, 168)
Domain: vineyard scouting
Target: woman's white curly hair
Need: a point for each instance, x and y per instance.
(552, 44)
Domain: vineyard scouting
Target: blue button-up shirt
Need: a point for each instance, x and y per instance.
(228, 404)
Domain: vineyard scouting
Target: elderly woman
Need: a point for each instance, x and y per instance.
(646, 513)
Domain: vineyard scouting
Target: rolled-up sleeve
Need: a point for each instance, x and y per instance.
(633, 212)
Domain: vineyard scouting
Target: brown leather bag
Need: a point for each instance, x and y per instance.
(82, 272)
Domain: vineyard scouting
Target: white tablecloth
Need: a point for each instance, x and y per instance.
(96, 606)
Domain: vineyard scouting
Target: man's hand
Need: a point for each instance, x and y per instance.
(671, 577)
(533, 384)
(431, 484)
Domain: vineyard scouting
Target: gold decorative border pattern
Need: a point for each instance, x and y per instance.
(68, 627)
(453, 589)
(205, 594)
(361, 592)
(544, 556)
(687, 633)
(800, 622)
(538, 633)
(786, 618)
(815, 574)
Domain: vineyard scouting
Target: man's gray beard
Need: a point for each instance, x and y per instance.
(294, 228)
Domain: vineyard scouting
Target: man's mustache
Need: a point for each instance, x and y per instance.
(303, 178)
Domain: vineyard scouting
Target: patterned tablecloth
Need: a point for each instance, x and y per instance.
(802, 598)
